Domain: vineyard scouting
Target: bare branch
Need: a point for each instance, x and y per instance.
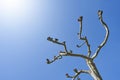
(77, 73)
(84, 38)
(74, 55)
(66, 54)
(106, 36)
(60, 43)
(59, 56)
(54, 59)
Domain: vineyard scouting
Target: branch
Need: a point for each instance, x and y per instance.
(60, 43)
(59, 56)
(89, 60)
(74, 55)
(84, 38)
(54, 59)
(66, 54)
(93, 70)
(77, 73)
(106, 36)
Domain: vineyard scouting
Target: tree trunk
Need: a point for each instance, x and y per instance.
(93, 70)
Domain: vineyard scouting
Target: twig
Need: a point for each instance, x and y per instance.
(77, 73)
(80, 45)
(60, 43)
(54, 59)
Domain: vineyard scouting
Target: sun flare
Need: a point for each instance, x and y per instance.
(12, 7)
(11, 4)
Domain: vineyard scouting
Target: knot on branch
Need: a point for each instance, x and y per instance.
(62, 53)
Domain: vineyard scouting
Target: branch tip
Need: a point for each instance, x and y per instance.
(75, 70)
(49, 39)
(80, 18)
(100, 12)
(48, 61)
(68, 76)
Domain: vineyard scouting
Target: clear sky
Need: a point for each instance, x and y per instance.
(26, 24)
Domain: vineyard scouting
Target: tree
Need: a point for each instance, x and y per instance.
(93, 71)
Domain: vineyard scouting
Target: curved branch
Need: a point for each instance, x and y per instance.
(106, 36)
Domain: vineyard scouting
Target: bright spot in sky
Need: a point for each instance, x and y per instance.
(23, 12)
(12, 7)
(11, 4)
(16, 15)
(16, 11)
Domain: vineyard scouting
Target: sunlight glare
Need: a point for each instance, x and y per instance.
(12, 7)
(11, 4)
(15, 12)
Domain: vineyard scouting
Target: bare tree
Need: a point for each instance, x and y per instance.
(93, 71)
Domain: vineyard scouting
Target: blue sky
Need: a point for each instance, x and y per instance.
(26, 24)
